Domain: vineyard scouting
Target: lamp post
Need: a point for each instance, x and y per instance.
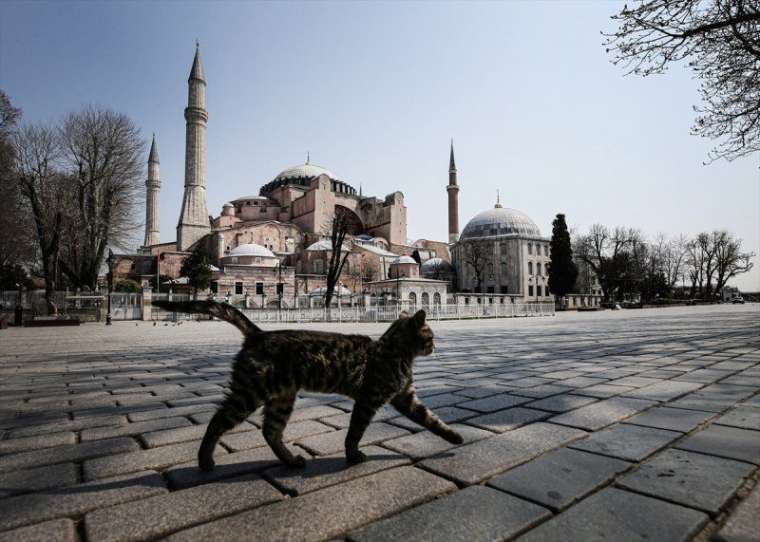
(110, 285)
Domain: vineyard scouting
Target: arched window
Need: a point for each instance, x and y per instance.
(412, 299)
(425, 299)
(538, 268)
(530, 268)
(530, 248)
(436, 298)
(318, 267)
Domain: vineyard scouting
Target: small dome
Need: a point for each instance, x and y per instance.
(404, 259)
(251, 249)
(500, 221)
(436, 264)
(228, 204)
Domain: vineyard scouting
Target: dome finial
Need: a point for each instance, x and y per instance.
(498, 203)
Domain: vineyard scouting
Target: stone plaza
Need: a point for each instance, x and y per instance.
(615, 425)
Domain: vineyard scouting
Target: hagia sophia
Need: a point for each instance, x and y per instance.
(272, 249)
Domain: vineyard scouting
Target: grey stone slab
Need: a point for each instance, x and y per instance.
(155, 458)
(155, 439)
(171, 412)
(562, 403)
(67, 425)
(444, 399)
(57, 530)
(541, 392)
(188, 474)
(704, 376)
(330, 443)
(673, 419)
(506, 420)
(38, 442)
(400, 488)
(622, 516)
(494, 403)
(583, 381)
(746, 417)
(694, 480)
(474, 514)
(480, 392)
(255, 438)
(473, 463)
(62, 454)
(743, 523)
(425, 443)
(134, 428)
(77, 500)
(343, 420)
(598, 415)
(629, 442)
(157, 516)
(446, 414)
(603, 391)
(28, 480)
(314, 412)
(559, 478)
(663, 391)
(322, 472)
(729, 442)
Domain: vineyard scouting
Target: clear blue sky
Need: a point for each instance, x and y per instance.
(374, 91)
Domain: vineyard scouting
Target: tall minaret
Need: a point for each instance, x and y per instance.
(153, 187)
(453, 190)
(193, 219)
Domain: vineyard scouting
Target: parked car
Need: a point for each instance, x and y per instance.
(738, 299)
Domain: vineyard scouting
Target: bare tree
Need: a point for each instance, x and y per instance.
(729, 259)
(478, 255)
(720, 40)
(105, 150)
(338, 230)
(44, 189)
(607, 254)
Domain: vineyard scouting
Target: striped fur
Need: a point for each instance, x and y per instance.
(274, 366)
(223, 311)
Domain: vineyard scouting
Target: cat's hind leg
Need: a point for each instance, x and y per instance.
(277, 412)
(236, 407)
(408, 404)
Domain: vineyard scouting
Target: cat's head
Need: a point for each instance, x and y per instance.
(412, 333)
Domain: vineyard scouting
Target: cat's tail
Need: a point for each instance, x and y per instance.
(223, 311)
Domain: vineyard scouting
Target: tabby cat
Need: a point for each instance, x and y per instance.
(274, 365)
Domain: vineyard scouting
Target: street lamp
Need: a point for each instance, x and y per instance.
(110, 285)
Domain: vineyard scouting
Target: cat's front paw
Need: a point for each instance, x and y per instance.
(298, 461)
(206, 464)
(352, 458)
(454, 438)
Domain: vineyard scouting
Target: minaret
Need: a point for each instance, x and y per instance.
(193, 219)
(453, 190)
(153, 188)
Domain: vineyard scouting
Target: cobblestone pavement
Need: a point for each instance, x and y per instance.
(615, 426)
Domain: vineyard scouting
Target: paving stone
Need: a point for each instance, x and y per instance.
(330, 443)
(255, 438)
(343, 420)
(322, 472)
(155, 458)
(559, 478)
(27, 480)
(57, 530)
(474, 514)
(400, 488)
(603, 391)
(741, 416)
(695, 480)
(314, 412)
(635, 381)
(188, 474)
(67, 425)
(729, 442)
(472, 463)
(36, 442)
(184, 434)
(603, 413)
(61, 454)
(134, 428)
(744, 522)
(494, 403)
(663, 391)
(704, 376)
(441, 400)
(447, 415)
(614, 514)
(157, 516)
(506, 420)
(540, 392)
(480, 392)
(629, 442)
(583, 381)
(77, 500)
(171, 412)
(673, 419)
(562, 403)
(425, 443)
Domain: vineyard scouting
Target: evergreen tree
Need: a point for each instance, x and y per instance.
(197, 269)
(562, 269)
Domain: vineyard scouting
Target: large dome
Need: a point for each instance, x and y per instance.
(302, 175)
(500, 221)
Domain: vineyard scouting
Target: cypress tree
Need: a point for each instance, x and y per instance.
(197, 269)
(562, 269)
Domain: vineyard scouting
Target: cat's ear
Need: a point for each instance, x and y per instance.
(419, 318)
(403, 315)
